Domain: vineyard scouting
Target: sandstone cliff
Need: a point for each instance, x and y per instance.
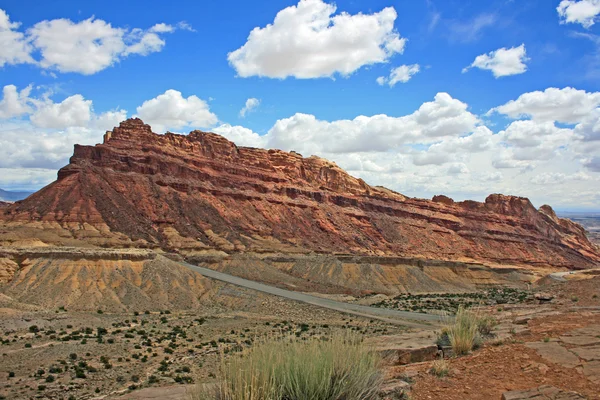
(201, 192)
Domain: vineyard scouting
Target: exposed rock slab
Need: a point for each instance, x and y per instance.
(588, 353)
(201, 191)
(555, 353)
(405, 348)
(592, 371)
(583, 340)
(542, 393)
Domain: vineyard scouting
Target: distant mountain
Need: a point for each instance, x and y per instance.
(201, 192)
(6, 195)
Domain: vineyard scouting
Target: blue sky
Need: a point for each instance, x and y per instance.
(309, 88)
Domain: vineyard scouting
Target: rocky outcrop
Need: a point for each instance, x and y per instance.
(201, 192)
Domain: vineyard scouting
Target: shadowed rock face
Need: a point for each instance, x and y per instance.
(201, 191)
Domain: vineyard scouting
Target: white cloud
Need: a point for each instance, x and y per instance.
(593, 164)
(91, 45)
(454, 148)
(25, 146)
(14, 103)
(458, 168)
(554, 178)
(529, 134)
(584, 12)
(26, 178)
(443, 117)
(14, 47)
(502, 62)
(566, 105)
(308, 41)
(162, 28)
(240, 135)
(73, 111)
(45, 140)
(250, 105)
(524, 144)
(84, 47)
(439, 148)
(402, 74)
(589, 129)
(171, 110)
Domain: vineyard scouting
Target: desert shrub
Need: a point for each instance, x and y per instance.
(340, 368)
(440, 368)
(486, 324)
(462, 333)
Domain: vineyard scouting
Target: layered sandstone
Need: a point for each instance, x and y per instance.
(201, 192)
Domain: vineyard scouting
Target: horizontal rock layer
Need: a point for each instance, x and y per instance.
(202, 192)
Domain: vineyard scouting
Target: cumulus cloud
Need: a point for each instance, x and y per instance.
(25, 146)
(171, 110)
(566, 105)
(584, 12)
(454, 148)
(44, 135)
(26, 178)
(502, 62)
(553, 178)
(441, 147)
(84, 47)
(589, 129)
(434, 120)
(402, 74)
(73, 111)
(528, 134)
(240, 135)
(593, 164)
(14, 47)
(14, 103)
(309, 41)
(250, 106)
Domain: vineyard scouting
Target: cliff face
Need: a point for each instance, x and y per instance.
(201, 191)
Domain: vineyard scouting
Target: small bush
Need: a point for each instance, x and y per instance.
(440, 368)
(486, 324)
(338, 368)
(462, 333)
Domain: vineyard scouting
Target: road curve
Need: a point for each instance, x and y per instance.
(411, 319)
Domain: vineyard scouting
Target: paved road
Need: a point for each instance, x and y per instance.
(412, 319)
(562, 276)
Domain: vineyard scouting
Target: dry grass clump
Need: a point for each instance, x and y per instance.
(467, 330)
(340, 368)
(440, 368)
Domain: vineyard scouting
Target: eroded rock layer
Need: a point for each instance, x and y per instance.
(201, 192)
